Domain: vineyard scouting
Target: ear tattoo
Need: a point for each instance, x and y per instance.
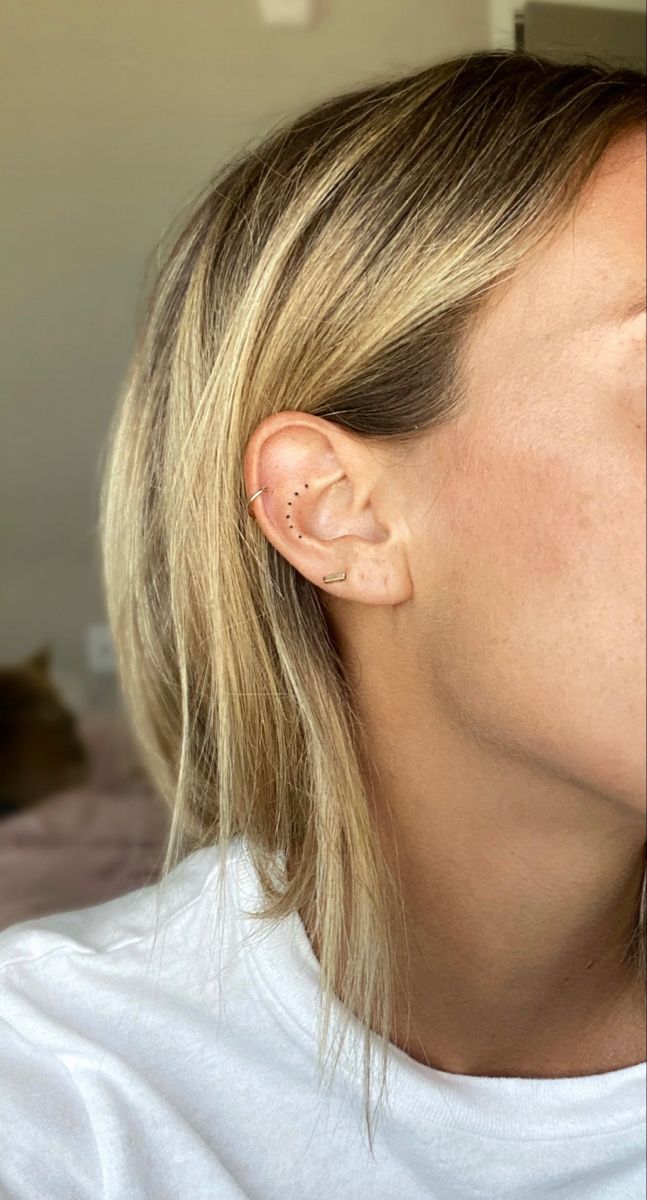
(339, 576)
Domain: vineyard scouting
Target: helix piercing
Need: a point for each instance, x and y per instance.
(339, 576)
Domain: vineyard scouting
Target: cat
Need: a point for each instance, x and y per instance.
(41, 750)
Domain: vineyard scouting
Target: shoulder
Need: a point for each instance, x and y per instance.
(113, 925)
(47, 1145)
(66, 980)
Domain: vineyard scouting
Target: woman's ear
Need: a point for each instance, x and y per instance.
(326, 507)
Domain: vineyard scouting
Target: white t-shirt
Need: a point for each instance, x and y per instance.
(123, 1077)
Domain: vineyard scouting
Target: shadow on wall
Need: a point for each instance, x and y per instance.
(80, 821)
(41, 750)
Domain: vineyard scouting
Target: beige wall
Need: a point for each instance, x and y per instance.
(114, 113)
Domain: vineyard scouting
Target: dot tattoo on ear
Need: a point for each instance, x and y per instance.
(335, 578)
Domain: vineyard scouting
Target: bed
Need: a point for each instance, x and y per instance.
(89, 843)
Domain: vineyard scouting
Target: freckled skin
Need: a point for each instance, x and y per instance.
(543, 511)
(492, 625)
(507, 727)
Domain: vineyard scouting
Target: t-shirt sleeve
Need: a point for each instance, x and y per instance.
(47, 1145)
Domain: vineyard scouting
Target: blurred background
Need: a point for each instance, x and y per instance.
(114, 116)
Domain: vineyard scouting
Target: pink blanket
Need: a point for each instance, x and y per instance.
(87, 844)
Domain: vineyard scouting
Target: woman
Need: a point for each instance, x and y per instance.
(373, 525)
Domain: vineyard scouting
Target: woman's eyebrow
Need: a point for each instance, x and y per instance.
(619, 314)
(636, 306)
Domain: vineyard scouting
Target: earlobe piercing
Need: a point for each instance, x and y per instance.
(336, 578)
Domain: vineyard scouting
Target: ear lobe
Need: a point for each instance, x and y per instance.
(41, 661)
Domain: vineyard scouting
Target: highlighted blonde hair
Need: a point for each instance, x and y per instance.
(335, 268)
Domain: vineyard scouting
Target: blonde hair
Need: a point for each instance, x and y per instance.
(336, 268)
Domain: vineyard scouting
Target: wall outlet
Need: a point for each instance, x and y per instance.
(100, 650)
(287, 12)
